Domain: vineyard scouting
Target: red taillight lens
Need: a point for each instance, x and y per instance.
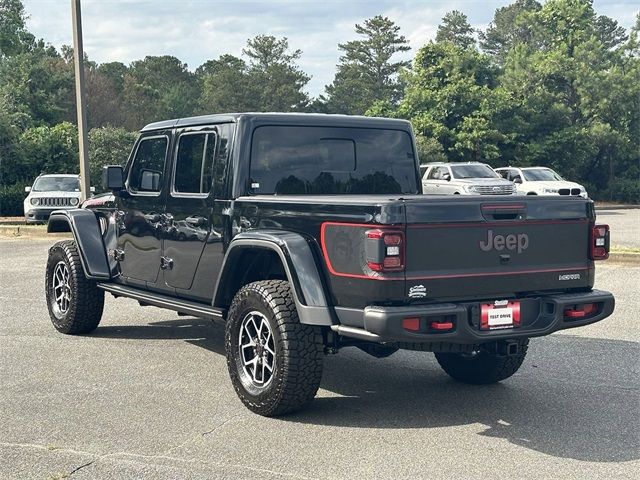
(411, 324)
(385, 250)
(599, 242)
(392, 262)
(581, 311)
(393, 239)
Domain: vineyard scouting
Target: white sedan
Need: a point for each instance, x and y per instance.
(540, 181)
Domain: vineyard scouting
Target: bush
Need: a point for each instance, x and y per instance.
(11, 197)
(624, 190)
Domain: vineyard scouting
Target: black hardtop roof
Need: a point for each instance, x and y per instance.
(283, 118)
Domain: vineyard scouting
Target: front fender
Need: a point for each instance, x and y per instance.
(86, 232)
(300, 267)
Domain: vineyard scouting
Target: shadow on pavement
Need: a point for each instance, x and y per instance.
(562, 402)
(197, 331)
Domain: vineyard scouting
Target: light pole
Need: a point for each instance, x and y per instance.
(78, 63)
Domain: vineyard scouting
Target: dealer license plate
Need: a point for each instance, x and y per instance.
(499, 315)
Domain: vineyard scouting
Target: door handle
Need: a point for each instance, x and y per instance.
(196, 221)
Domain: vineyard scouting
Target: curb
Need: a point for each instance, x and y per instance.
(23, 231)
(617, 207)
(626, 257)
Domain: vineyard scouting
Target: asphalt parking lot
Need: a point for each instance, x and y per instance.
(624, 224)
(147, 395)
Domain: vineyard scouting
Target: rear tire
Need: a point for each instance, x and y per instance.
(75, 303)
(274, 361)
(481, 367)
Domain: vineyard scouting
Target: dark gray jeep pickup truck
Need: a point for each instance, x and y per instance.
(308, 233)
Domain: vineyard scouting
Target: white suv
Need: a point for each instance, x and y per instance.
(471, 178)
(49, 193)
(540, 181)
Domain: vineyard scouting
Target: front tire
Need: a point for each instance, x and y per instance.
(75, 303)
(274, 361)
(482, 367)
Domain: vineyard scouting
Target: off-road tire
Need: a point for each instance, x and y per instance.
(86, 300)
(482, 367)
(298, 350)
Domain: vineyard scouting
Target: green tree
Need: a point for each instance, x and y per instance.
(367, 72)
(108, 146)
(39, 85)
(48, 150)
(510, 27)
(455, 28)
(275, 79)
(610, 34)
(14, 37)
(225, 86)
(575, 97)
(158, 87)
(448, 98)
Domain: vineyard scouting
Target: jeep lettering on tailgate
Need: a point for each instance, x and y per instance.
(512, 241)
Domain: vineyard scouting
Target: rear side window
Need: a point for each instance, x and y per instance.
(146, 173)
(326, 160)
(194, 163)
(438, 173)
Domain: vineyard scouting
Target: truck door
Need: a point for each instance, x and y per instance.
(189, 205)
(141, 211)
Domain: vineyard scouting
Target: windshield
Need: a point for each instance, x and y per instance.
(473, 171)
(328, 160)
(57, 184)
(541, 175)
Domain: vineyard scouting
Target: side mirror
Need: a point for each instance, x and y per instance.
(27, 189)
(446, 177)
(92, 189)
(517, 180)
(112, 178)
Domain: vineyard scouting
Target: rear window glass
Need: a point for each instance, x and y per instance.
(324, 160)
(194, 163)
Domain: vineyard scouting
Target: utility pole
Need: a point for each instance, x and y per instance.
(78, 63)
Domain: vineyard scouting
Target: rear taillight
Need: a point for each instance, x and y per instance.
(599, 242)
(384, 249)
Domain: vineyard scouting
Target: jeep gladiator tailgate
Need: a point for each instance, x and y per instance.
(466, 247)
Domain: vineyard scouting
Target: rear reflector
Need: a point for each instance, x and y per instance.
(581, 311)
(441, 326)
(412, 324)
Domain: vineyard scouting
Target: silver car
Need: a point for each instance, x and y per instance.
(472, 178)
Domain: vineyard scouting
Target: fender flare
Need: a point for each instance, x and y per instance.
(299, 265)
(86, 232)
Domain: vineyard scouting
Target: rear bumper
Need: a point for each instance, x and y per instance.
(539, 316)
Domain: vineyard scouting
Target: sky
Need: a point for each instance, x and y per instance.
(198, 30)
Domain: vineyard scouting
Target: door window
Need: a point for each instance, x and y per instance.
(148, 165)
(438, 173)
(193, 171)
